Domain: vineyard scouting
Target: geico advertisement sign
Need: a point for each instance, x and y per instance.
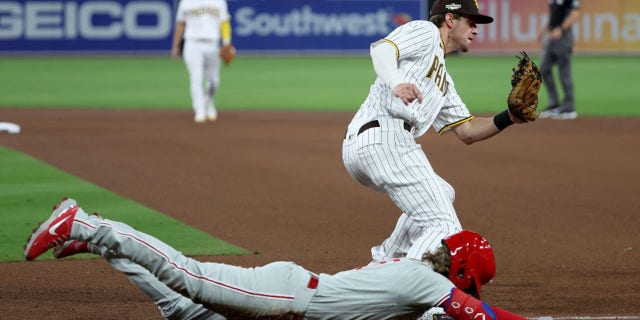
(304, 21)
(97, 20)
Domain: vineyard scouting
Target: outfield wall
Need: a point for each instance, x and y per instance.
(294, 26)
(611, 26)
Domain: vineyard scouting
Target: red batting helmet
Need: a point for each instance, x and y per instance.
(472, 261)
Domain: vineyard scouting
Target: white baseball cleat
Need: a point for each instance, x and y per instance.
(567, 115)
(559, 113)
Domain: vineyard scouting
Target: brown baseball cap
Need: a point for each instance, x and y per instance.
(463, 7)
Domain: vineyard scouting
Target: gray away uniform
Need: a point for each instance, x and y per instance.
(388, 290)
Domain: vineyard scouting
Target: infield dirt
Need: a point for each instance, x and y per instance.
(557, 199)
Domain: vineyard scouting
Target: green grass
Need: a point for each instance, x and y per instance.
(296, 83)
(30, 188)
(248, 83)
(93, 82)
(604, 85)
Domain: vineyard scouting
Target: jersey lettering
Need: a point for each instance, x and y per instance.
(437, 73)
(202, 11)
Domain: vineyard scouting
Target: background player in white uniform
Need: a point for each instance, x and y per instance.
(202, 24)
(412, 92)
(391, 289)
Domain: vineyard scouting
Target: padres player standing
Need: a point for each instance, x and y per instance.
(412, 92)
(284, 290)
(202, 24)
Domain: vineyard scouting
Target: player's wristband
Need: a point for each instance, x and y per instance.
(502, 120)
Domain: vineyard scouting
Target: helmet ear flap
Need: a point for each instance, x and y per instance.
(461, 269)
(473, 290)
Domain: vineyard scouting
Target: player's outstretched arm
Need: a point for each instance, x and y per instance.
(462, 306)
(475, 130)
(481, 128)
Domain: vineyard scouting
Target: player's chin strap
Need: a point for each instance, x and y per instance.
(462, 306)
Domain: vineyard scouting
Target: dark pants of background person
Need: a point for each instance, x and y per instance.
(559, 53)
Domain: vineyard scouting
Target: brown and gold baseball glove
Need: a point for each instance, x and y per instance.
(227, 53)
(525, 84)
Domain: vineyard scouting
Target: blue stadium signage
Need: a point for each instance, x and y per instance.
(317, 26)
(261, 26)
(112, 25)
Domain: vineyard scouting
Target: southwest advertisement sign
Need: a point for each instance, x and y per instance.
(318, 26)
(611, 26)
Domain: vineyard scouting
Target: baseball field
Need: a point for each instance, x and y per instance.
(557, 199)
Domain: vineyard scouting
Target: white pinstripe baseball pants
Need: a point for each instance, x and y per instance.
(388, 159)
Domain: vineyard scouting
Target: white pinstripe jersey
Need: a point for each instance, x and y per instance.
(202, 18)
(420, 54)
